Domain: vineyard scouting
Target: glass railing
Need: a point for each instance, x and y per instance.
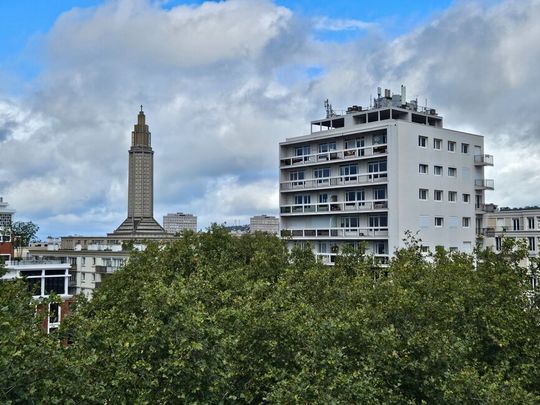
(339, 206)
(333, 155)
(335, 181)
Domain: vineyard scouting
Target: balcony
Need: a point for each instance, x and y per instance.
(334, 207)
(336, 181)
(334, 233)
(106, 269)
(484, 184)
(329, 259)
(483, 160)
(488, 232)
(334, 156)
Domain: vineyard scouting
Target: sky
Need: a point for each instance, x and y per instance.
(222, 83)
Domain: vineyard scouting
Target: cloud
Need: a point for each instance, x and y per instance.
(222, 83)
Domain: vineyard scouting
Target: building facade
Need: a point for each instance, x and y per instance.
(264, 223)
(6, 219)
(178, 222)
(519, 223)
(365, 177)
(43, 279)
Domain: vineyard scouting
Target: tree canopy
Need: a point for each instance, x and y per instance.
(212, 318)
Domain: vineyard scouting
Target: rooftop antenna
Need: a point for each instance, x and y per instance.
(329, 111)
(141, 108)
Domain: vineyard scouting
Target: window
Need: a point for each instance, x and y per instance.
(302, 150)
(302, 199)
(466, 198)
(424, 249)
(379, 139)
(55, 284)
(451, 146)
(530, 222)
(423, 194)
(498, 243)
(439, 222)
(326, 147)
(531, 243)
(452, 249)
(348, 171)
(464, 148)
(377, 166)
(422, 141)
(452, 196)
(515, 224)
(376, 221)
(438, 195)
(323, 198)
(323, 247)
(452, 171)
(54, 316)
(422, 168)
(297, 178)
(437, 143)
(379, 193)
(437, 170)
(466, 222)
(322, 174)
(355, 195)
(349, 222)
(83, 276)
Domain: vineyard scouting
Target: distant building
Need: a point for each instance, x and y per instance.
(178, 222)
(43, 279)
(519, 223)
(6, 219)
(264, 223)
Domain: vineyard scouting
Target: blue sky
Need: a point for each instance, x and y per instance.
(223, 83)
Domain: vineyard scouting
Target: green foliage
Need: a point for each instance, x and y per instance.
(213, 318)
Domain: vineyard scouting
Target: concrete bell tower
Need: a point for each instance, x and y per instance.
(140, 222)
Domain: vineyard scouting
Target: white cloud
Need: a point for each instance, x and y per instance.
(219, 94)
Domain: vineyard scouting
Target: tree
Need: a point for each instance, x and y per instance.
(22, 233)
(212, 318)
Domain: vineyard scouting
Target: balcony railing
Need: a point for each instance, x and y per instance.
(334, 155)
(342, 232)
(483, 160)
(330, 258)
(106, 269)
(488, 232)
(334, 207)
(335, 181)
(484, 184)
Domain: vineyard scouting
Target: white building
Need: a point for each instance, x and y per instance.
(371, 175)
(264, 223)
(178, 222)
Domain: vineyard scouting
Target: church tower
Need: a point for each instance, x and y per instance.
(140, 222)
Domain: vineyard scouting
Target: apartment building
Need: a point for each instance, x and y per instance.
(520, 223)
(365, 177)
(90, 259)
(178, 222)
(264, 223)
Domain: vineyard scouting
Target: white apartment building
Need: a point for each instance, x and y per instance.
(264, 223)
(366, 177)
(178, 222)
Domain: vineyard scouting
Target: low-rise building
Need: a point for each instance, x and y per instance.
(179, 222)
(6, 219)
(44, 278)
(264, 223)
